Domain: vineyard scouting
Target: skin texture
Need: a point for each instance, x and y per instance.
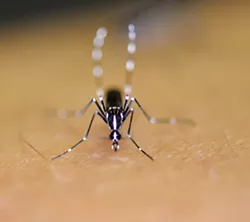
(200, 173)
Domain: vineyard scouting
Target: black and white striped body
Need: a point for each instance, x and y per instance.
(114, 115)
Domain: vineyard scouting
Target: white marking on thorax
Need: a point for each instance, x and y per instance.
(114, 122)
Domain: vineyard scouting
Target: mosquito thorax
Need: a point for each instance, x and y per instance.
(114, 117)
(113, 97)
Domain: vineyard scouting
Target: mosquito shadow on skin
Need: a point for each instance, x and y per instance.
(23, 140)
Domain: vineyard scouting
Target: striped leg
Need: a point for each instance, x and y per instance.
(131, 112)
(83, 139)
(130, 64)
(150, 119)
(98, 43)
(69, 113)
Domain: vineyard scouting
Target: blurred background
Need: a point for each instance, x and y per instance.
(192, 60)
(15, 11)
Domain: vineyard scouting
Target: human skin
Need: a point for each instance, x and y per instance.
(200, 173)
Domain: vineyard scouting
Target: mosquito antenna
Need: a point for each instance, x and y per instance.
(130, 64)
(98, 43)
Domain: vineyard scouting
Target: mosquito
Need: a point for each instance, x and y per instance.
(109, 105)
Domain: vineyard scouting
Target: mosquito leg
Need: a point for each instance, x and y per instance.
(83, 139)
(125, 102)
(98, 43)
(68, 113)
(130, 64)
(171, 121)
(127, 108)
(81, 112)
(102, 102)
(131, 111)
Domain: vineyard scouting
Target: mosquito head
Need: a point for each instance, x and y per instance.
(115, 136)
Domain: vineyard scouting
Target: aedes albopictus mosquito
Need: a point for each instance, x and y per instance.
(113, 111)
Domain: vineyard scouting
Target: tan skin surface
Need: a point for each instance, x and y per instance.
(199, 174)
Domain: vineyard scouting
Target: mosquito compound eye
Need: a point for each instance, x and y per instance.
(111, 136)
(118, 135)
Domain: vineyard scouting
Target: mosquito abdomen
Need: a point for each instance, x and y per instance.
(113, 98)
